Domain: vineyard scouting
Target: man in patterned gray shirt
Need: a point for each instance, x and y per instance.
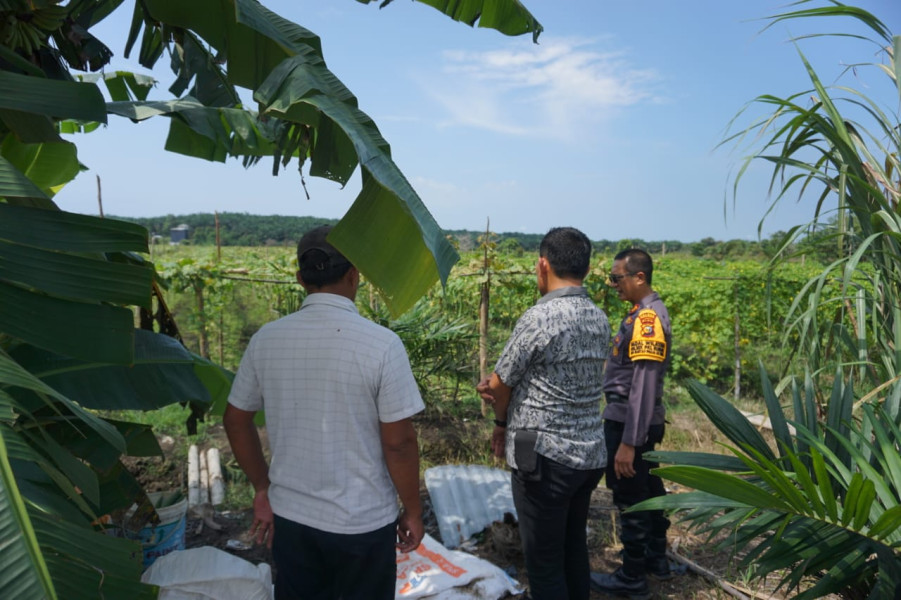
(546, 390)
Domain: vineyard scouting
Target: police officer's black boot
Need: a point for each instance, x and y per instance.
(629, 580)
(656, 562)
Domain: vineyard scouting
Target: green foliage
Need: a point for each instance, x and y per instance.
(825, 504)
(220, 304)
(841, 146)
(68, 282)
(251, 286)
(235, 229)
(440, 347)
(242, 229)
(703, 298)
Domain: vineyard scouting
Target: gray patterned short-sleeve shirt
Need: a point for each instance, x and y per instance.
(554, 361)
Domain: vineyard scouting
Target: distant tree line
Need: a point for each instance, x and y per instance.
(235, 229)
(242, 229)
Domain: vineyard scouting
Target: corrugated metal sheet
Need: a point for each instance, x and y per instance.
(467, 499)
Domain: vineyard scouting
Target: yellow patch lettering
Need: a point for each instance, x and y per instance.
(648, 342)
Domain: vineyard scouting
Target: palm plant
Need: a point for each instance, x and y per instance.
(439, 346)
(824, 506)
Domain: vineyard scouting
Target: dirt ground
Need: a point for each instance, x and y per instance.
(498, 544)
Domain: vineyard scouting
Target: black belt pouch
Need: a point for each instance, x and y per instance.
(527, 464)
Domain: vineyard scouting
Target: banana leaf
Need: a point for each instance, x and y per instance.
(23, 570)
(163, 372)
(507, 16)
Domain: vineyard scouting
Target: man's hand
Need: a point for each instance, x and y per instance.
(623, 463)
(499, 441)
(409, 532)
(484, 390)
(262, 528)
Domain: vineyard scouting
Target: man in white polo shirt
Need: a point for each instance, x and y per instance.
(338, 394)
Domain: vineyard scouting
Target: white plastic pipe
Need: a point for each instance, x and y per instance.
(204, 480)
(193, 476)
(217, 485)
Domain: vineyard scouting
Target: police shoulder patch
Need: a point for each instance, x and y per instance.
(648, 342)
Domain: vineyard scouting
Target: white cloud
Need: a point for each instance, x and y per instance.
(558, 89)
(435, 186)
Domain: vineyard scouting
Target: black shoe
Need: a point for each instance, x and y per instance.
(620, 584)
(663, 569)
(658, 567)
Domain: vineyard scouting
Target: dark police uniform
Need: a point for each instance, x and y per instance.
(633, 387)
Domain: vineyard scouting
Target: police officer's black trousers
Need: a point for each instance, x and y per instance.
(643, 533)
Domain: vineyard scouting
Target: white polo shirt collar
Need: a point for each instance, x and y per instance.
(332, 300)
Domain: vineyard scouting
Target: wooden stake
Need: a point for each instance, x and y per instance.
(99, 198)
(730, 588)
(484, 300)
(218, 245)
(737, 341)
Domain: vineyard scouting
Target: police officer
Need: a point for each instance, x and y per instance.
(634, 425)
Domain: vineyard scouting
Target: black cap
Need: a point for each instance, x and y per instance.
(315, 256)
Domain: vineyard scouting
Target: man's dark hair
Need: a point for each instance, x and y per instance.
(319, 262)
(637, 260)
(568, 251)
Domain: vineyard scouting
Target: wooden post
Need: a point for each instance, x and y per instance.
(204, 340)
(219, 260)
(484, 301)
(218, 244)
(99, 197)
(221, 341)
(737, 337)
(373, 297)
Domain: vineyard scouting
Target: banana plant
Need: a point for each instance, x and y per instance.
(306, 113)
(68, 345)
(68, 283)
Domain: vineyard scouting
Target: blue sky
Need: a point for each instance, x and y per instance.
(610, 123)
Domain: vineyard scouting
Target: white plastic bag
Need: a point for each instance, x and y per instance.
(435, 573)
(431, 572)
(207, 573)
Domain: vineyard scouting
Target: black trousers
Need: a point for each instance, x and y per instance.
(317, 565)
(552, 508)
(643, 533)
